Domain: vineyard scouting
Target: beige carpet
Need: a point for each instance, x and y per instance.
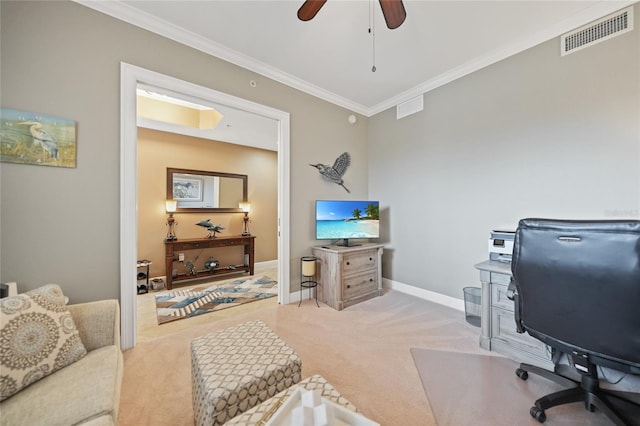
(479, 390)
(364, 351)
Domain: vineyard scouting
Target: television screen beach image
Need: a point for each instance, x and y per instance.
(343, 219)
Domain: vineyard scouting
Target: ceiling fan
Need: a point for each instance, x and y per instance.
(393, 11)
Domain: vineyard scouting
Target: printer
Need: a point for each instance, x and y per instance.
(501, 245)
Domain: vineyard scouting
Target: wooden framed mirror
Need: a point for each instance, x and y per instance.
(199, 191)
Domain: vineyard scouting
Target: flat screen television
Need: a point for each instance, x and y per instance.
(343, 220)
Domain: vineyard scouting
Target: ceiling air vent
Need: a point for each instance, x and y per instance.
(597, 31)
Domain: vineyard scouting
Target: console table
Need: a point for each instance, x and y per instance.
(349, 275)
(175, 246)
(498, 326)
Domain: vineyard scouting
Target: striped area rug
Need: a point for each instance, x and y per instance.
(185, 303)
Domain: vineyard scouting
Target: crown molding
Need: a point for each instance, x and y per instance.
(133, 16)
(588, 15)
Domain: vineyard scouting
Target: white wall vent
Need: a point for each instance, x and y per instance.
(409, 107)
(603, 29)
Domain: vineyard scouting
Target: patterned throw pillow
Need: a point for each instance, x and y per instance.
(38, 336)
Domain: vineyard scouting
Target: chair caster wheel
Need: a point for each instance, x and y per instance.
(522, 374)
(538, 414)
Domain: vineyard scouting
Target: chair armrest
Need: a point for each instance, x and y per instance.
(97, 322)
(512, 294)
(512, 290)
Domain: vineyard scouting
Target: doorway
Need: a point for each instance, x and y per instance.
(131, 78)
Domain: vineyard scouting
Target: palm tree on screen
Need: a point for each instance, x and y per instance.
(373, 211)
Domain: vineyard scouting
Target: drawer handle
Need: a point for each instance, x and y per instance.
(370, 279)
(348, 263)
(348, 285)
(371, 258)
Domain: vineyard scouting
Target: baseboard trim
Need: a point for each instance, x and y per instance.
(431, 296)
(267, 264)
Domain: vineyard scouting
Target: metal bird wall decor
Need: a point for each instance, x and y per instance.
(334, 174)
(210, 227)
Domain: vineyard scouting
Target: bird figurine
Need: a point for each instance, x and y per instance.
(212, 264)
(205, 223)
(191, 267)
(40, 136)
(210, 227)
(334, 174)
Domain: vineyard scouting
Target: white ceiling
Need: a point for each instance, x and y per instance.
(331, 56)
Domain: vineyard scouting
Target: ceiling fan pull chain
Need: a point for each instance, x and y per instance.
(372, 24)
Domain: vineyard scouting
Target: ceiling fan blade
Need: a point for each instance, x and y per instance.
(394, 13)
(309, 9)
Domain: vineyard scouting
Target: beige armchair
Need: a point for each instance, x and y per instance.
(85, 392)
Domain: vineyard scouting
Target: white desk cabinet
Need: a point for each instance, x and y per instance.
(498, 327)
(349, 275)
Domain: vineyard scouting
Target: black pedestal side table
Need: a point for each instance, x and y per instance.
(308, 276)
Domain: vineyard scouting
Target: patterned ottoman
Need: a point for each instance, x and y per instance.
(260, 415)
(237, 368)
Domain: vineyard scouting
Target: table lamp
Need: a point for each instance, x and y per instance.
(246, 207)
(170, 207)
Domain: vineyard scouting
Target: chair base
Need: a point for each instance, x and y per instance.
(587, 390)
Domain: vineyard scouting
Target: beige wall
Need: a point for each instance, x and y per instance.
(535, 135)
(158, 150)
(63, 225)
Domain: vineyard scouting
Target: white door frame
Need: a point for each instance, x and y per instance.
(130, 77)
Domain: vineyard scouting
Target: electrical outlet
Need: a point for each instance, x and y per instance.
(181, 257)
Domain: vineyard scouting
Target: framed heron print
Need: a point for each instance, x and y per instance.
(39, 139)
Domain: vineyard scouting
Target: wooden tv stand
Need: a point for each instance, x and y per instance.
(175, 246)
(349, 275)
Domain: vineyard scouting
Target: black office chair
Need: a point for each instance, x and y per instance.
(576, 287)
